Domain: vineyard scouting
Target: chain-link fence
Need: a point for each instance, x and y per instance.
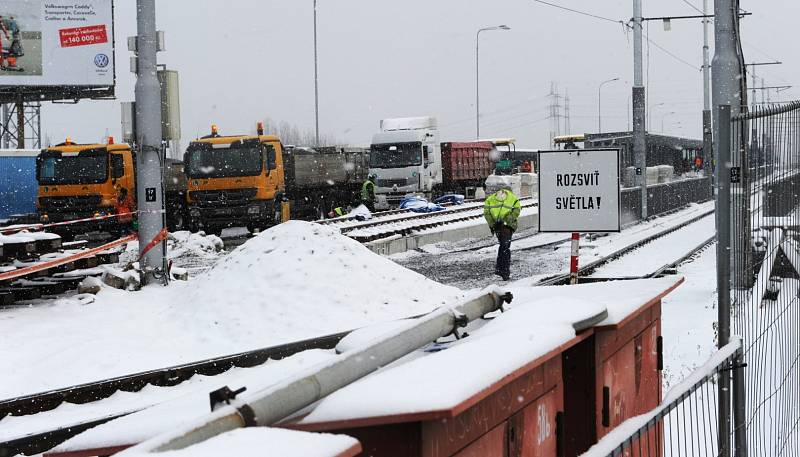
(765, 218)
(759, 282)
(686, 422)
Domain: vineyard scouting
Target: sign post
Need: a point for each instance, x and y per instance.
(573, 258)
(579, 193)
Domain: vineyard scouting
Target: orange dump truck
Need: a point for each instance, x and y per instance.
(79, 181)
(254, 181)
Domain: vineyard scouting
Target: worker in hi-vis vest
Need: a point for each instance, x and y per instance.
(501, 210)
(368, 192)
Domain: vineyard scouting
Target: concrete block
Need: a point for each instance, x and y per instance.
(90, 285)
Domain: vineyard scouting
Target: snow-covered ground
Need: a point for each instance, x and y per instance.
(295, 281)
(659, 252)
(688, 318)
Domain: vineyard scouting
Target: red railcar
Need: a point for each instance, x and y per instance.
(466, 164)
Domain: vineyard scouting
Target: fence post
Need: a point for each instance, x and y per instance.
(723, 211)
(739, 410)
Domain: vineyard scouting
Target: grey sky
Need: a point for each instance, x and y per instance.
(244, 60)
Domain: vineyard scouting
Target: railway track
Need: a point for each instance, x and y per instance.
(563, 278)
(38, 264)
(383, 228)
(164, 377)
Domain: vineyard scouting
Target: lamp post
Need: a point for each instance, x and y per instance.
(662, 119)
(316, 82)
(477, 76)
(599, 114)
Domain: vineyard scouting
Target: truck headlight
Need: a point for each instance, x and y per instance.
(255, 209)
(194, 212)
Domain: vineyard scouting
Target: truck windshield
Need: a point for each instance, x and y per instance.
(205, 162)
(395, 155)
(86, 167)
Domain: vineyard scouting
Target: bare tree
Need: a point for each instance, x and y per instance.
(291, 134)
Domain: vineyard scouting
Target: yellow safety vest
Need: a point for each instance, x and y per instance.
(502, 207)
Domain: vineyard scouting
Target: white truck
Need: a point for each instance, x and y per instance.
(406, 158)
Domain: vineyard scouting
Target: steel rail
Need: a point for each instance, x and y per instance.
(563, 278)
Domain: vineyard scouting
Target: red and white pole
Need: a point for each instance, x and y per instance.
(573, 260)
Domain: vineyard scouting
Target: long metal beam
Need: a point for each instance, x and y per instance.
(270, 405)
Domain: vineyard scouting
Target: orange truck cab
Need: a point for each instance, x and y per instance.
(254, 181)
(234, 181)
(79, 181)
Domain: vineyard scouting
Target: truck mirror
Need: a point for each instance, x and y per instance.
(425, 156)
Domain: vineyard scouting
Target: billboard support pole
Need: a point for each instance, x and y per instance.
(149, 188)
(20, 107)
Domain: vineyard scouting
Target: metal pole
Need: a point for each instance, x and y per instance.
(708, 145)
(316, 82)
(20, 125)
(638, 94)
(149, 188)
(6, 132)
(573, 260)
(477, 86)
(739, 409)
(723, 222)
(729, 88)
(726, 71)
(274, 403)
(477, 76)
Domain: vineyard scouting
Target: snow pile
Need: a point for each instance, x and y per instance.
(185, 243)
(301, 279)
(295, 281)
(361, 212)
(196, 252)
(268, 442)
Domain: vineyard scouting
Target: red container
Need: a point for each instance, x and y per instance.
(466, 163)
(515, 417)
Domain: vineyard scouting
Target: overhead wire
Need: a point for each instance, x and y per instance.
(625, 25)
(693, 7)
(615, 21)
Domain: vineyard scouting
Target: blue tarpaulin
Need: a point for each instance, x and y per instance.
(455, 199)
(420, 205)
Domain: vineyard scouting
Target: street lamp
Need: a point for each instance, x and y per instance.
(316, 81)
(662, 119)
(477, 77)
(599, 115)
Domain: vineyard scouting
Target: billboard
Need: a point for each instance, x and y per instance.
(56, 43)
(579, 191)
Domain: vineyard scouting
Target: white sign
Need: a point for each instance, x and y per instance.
(57, 43)
(579, 191)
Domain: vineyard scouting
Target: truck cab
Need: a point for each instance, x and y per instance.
(234, 180)
(406, 158)
(78, 181)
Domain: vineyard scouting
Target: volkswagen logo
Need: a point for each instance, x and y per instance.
(101, 60)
